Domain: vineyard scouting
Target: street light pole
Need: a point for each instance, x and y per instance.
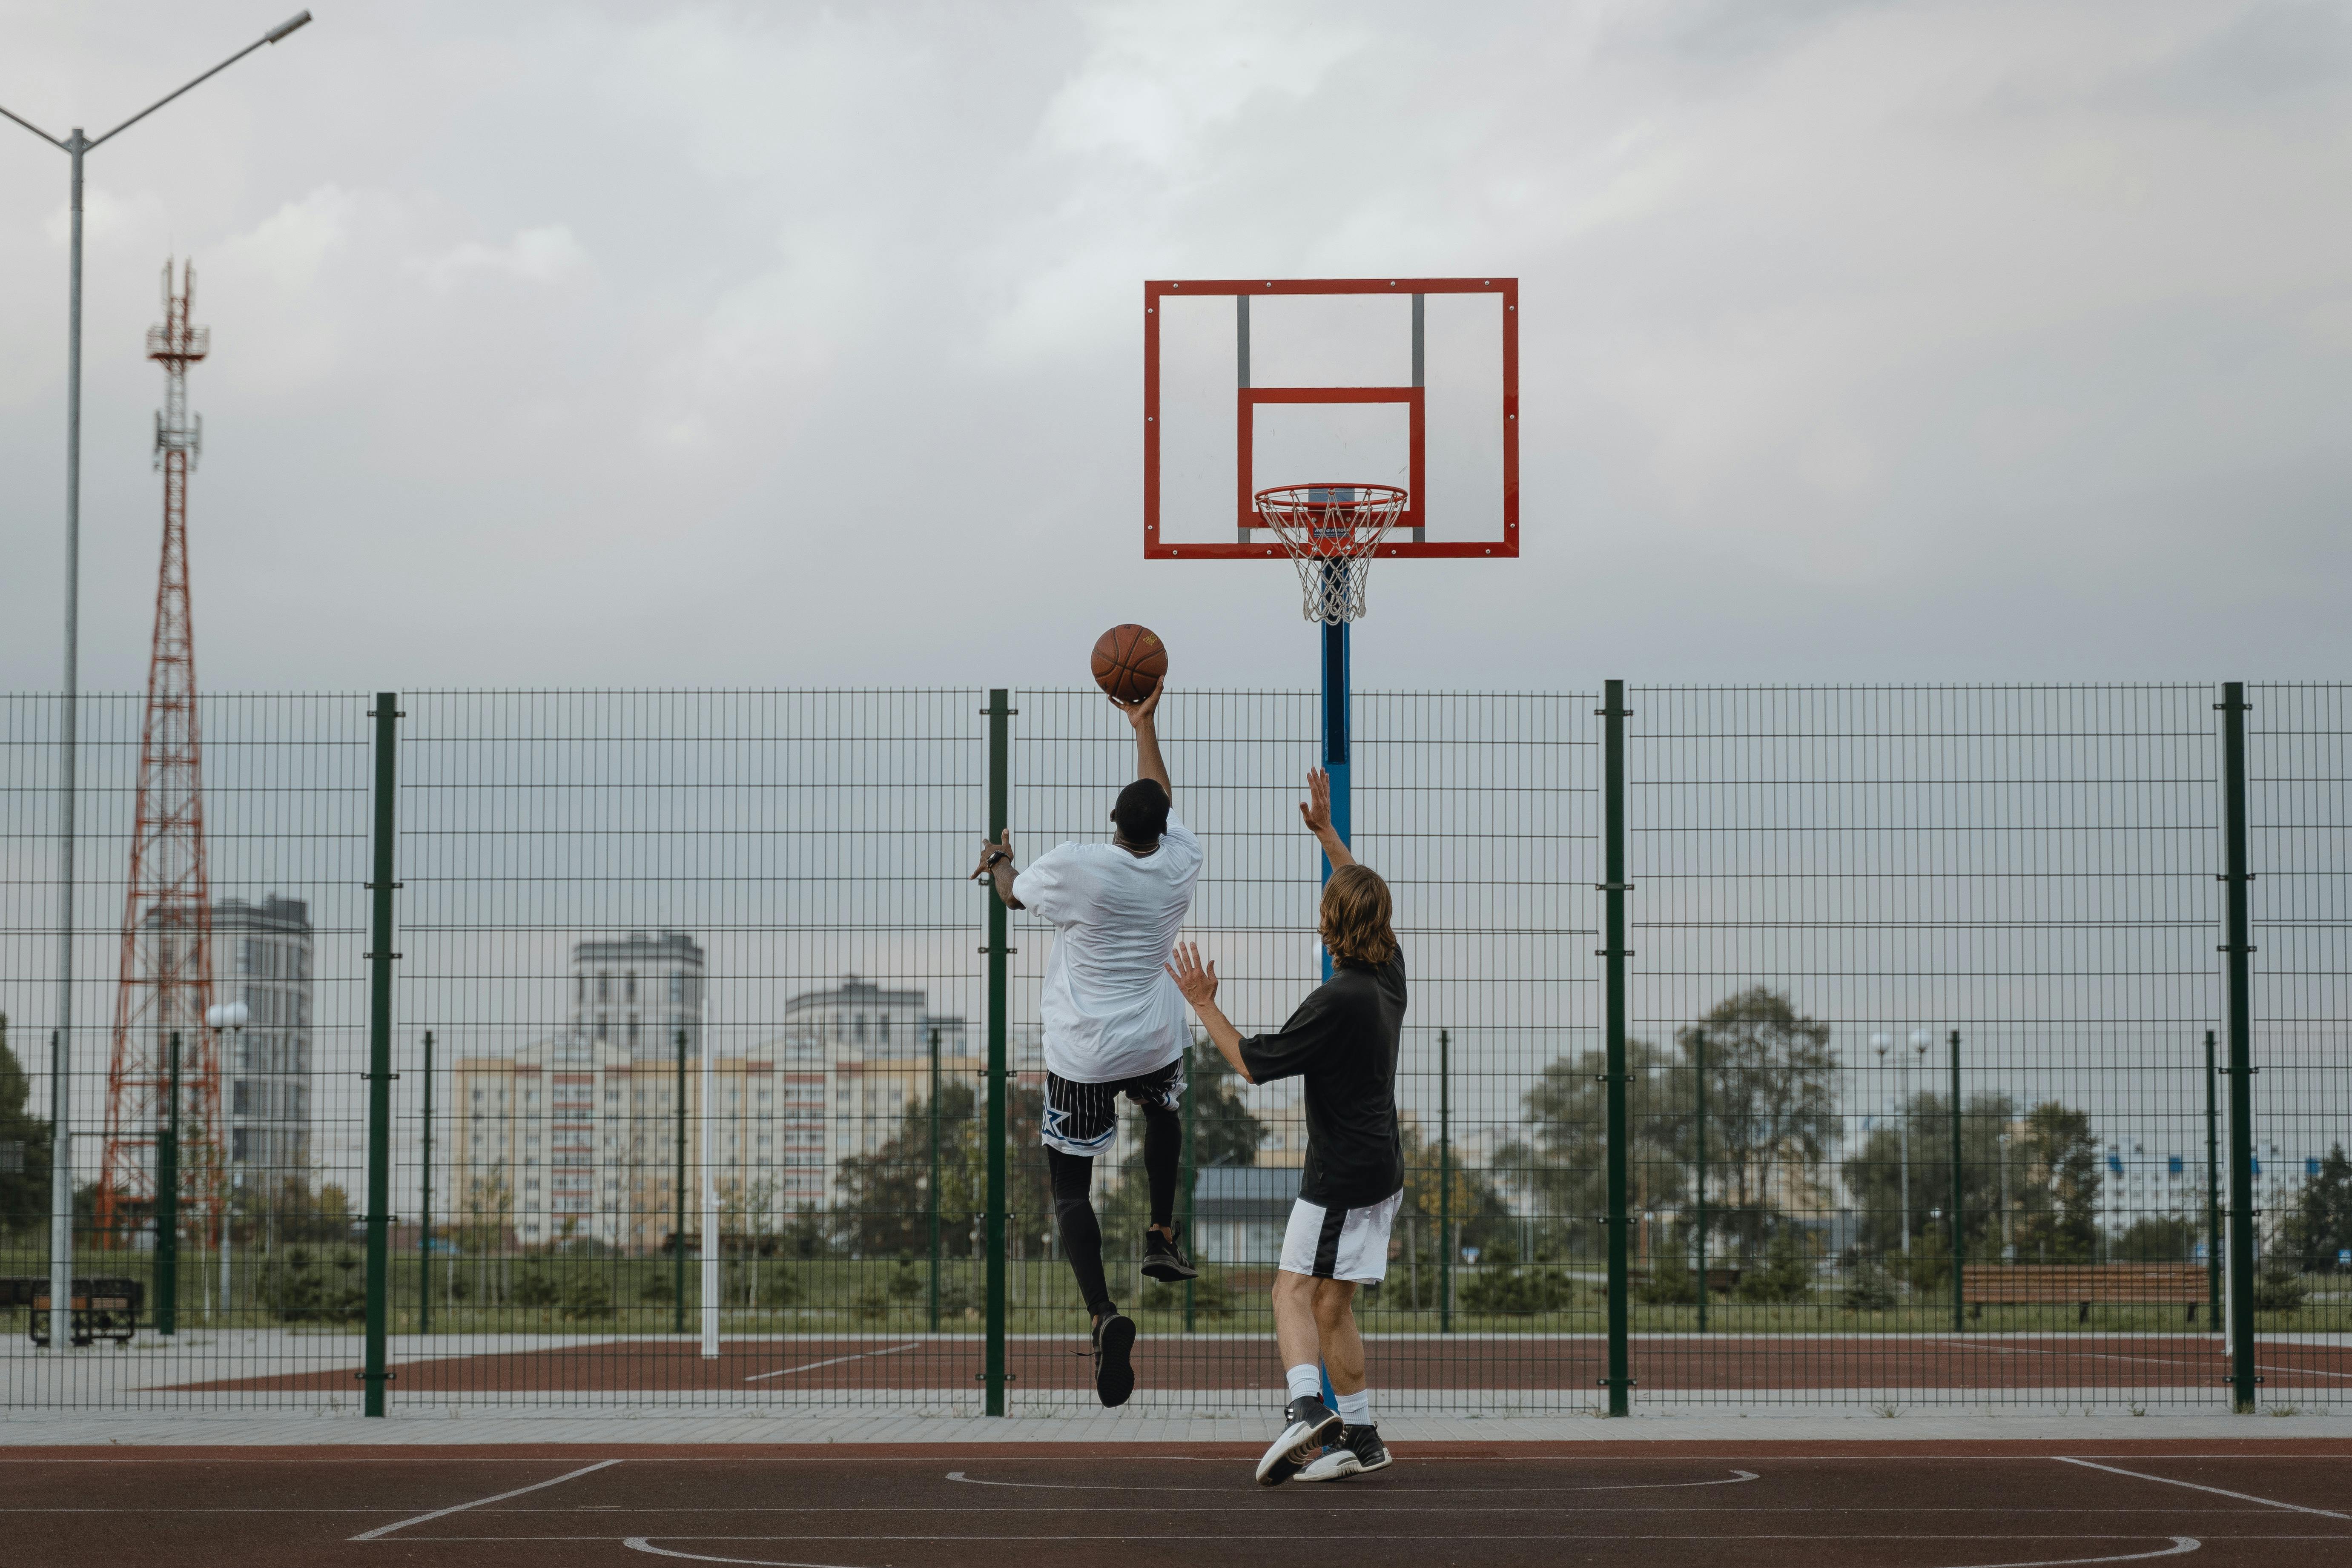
(75, 146)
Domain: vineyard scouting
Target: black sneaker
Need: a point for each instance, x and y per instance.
(1114, 1336)
(1305, 1425)
(1360, 1450)
(1165, 1261)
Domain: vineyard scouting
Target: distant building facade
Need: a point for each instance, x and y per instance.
(262, 956)
(577, 1136)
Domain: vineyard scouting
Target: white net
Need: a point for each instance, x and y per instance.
(1331, 532)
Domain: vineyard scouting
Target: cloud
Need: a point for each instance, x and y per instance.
(544, 254)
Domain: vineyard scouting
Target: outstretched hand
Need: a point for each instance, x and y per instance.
(992, 855)
(1316, 809)
(1139, 712)
(1196, 980)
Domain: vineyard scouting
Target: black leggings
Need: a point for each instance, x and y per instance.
(1073, 1178)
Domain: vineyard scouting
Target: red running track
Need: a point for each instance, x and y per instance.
(2278, 1504)
(1534, 1361)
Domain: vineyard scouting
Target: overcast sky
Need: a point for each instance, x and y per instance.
(781, 344)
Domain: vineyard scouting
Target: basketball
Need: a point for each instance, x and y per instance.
(1127, 660)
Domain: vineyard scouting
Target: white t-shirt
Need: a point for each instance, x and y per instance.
(1109, 1009)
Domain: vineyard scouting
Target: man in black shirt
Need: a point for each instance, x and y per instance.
(1342, 1045)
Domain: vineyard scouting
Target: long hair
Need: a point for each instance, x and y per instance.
(1356, 916)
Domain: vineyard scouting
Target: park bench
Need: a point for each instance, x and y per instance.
(104, 1306)
(2108, 1284)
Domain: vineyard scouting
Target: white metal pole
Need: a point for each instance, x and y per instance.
(61, 1235)
(709, 1207)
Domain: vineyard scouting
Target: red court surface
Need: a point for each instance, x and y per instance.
(794, 1367)
(2280, 1504)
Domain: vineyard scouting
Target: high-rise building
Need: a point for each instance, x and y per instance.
(577, 1135)
(638, 993)
(262, 957)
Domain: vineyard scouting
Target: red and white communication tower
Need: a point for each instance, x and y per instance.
(167, 964)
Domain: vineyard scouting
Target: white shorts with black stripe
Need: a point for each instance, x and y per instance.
(1083, 1118)
(1340, 1244)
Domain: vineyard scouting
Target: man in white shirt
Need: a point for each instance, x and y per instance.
(1115, 1023)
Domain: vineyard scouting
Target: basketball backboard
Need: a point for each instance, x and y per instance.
(1254, 384)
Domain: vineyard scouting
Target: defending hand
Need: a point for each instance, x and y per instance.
(1316, 809)
(1197, 981)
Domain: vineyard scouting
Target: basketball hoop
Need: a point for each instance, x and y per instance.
(1331, 532)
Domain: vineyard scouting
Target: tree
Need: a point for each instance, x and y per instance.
(2053, 1183)
(2057, 1217)
(1563, 1164)
(1772, 1111)
(23, 1192)
(2320, 1225)
(885, 1207)
(1873, 1174)
(1224, 1131)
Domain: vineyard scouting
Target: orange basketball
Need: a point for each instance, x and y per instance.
(1128, 660)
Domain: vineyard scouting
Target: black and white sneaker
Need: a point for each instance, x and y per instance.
(1114, 1336)
(1307, 1425)
(1361, 1451)
(1165, 1261)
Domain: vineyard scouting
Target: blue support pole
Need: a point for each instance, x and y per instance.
(1335, 736)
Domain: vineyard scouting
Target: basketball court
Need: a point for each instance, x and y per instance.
(1826, 1505)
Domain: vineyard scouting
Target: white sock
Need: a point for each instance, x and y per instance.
(1305, 1381)
(1356, 1409)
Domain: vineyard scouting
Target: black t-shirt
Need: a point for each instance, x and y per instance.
(1342, 1042)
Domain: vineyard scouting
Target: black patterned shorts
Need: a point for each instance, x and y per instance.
(1083, 1118)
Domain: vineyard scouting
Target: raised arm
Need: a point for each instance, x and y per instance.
(1147, 761)
(997, 868)
(1316, 812)
(1198, 984)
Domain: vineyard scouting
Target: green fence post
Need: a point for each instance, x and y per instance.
(2239, 949)
(1000, 711)
(1698, 1048)
(1445, 1183)
(678, 1194)
(933, 1189)
(386, 715)
(1613, 710)
(167, 1204)
(1958, 1220)
(425, 1208)
(2212, 1194)
(1187, 1174)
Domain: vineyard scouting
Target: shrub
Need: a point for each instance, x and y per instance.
(1867, 1288)
(1513, 1291)
(2279, 1287)
(1669, 1283)
(780, 1288)
(534, 1286)
(1212, 1297)
(586, 1294)
(659, 1288)
(1787, 1271)
(302, 1290)
(907, 1284)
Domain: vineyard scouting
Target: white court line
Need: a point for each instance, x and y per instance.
(2188, 1364)
(2193, 1486)
(478, 1503)
(1736, 1476)
(2180, 1543)
(836, 1361)
(639, 1543)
